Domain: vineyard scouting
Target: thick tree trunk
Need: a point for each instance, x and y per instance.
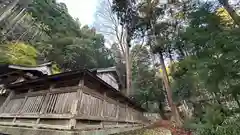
(128, 65)
(8, 10)
(174, 110)
(231, 11)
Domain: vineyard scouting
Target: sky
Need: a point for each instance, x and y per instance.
(84, 10)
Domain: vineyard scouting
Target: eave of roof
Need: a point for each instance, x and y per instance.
(6, 68)
(21, 67)
(110, 69)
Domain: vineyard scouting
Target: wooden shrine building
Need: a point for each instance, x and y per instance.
(75, 100)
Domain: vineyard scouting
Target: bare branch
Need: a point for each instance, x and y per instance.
(110, 26)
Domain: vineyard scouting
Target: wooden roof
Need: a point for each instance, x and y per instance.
(8, 69)
(71, 77)
(112, 70)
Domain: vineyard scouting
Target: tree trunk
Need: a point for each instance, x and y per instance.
(13, 23)
(171, 60)
(231, 11)
(161, 110)
(127, 71)
(14, 26)
(17, 17)
(173, 107)
(128, 67)
(8, 10)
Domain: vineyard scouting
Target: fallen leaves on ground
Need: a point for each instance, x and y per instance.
(161, 127)
(168, 125)
(154, 131)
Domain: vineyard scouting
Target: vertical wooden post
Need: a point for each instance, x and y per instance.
(103, 107)
(80, 93)
(10, 96)
(72, 121)
(117, 113)
(127, 113)
(75, 106)
(132, 114)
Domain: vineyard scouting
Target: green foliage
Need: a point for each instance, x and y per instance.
(48, 27)
(214, 121)
(55, 16)
(209, 70)
(213, 116)
(55, 69)
(72, 47)
(228, 127)
(214, 57)
(19, 54)
(148, 87)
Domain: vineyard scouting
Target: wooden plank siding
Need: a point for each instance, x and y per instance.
(90, 105)
(33, 104)
(68, 107)
(59, 103)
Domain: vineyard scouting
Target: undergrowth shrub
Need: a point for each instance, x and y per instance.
(215, 121)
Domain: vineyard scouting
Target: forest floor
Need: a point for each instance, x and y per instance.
(161, 127)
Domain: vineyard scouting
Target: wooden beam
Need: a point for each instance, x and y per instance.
(93, 92)
(72, 121)
(127, 113)
(117, 113)
(45, 126)
(103, 104)
(10, 73)
(103, 107)
(74, 107)
(43, 92)
(80, 92)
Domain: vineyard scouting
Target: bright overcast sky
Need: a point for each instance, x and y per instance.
(82, 9)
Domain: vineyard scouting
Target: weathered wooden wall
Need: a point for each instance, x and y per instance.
(75, 107)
